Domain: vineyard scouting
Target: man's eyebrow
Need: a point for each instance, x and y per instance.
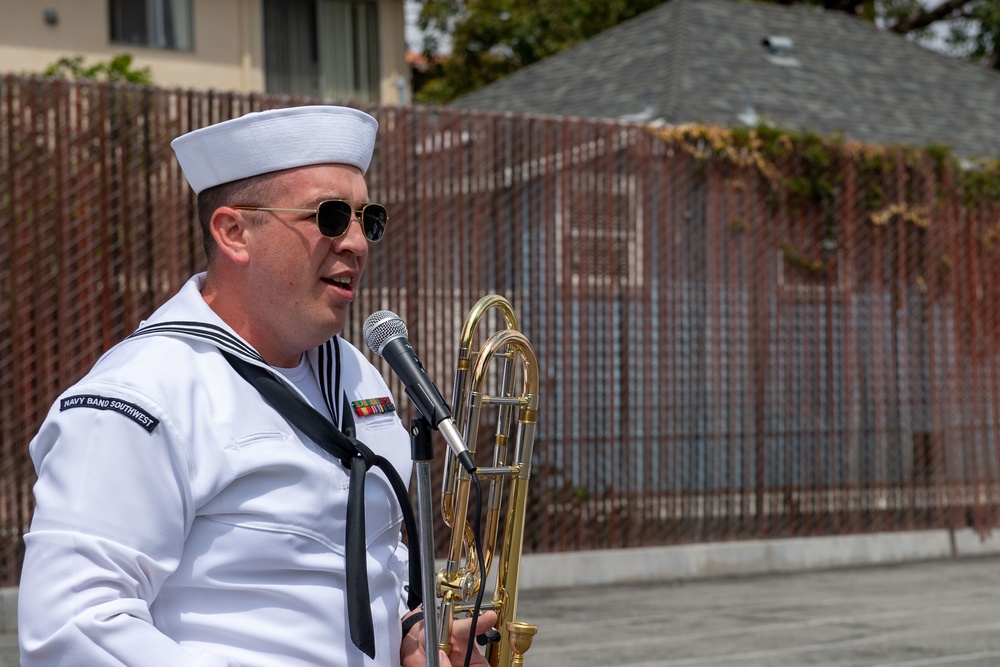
(314, 203)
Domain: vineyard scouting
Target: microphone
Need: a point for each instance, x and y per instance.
(386, 335)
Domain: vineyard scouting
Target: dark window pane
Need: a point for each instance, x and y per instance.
(174, 29)
(129, 21)
(163, 24)
(290, 49)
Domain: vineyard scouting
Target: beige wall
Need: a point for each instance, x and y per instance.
(392, 51)
(227, 53)
(227, 38)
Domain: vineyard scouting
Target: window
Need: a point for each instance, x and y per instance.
(160, 24)
(324, 48)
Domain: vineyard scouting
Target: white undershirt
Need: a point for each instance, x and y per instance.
(303, 378)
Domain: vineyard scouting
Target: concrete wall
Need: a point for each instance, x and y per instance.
(696, 561)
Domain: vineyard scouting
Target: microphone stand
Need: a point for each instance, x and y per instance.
(422, 453)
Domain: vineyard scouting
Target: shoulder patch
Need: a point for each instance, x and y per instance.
(130, 410)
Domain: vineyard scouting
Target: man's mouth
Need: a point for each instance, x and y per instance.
(342, 282)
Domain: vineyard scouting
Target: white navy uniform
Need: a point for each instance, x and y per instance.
(182, 521)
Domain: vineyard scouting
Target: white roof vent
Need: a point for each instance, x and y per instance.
(779, 50)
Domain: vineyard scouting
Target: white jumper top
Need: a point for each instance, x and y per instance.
(182, 521)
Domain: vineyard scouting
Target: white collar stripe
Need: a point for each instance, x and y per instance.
(214, 334)
(325, 363)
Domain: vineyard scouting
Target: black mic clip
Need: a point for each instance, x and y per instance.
(491, 636)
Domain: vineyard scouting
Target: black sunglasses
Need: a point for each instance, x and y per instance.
(334, 216)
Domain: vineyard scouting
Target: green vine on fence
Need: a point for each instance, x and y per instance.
(918, 215)
(794, 257)
(807, 168)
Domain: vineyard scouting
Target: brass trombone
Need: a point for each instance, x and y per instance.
(460, 581)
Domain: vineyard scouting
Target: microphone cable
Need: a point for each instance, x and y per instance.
(481, 562)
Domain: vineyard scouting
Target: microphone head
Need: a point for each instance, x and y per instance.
(381, 327)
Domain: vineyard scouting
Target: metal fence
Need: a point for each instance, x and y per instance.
(740, 335)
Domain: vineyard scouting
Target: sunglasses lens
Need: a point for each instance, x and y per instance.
(374, 220)
(333, 217)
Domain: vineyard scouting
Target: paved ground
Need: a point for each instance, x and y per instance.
(912, 615)
(8, 651)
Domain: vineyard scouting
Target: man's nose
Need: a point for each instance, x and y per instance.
(353, 240)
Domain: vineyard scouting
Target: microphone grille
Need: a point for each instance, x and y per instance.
(381, 327)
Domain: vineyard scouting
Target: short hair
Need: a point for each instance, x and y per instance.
(251, 191)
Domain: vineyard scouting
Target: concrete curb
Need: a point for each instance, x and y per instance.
(693, 561)
(746, 557)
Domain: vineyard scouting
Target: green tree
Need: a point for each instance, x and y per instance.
(969, 28)
(118, 69)
(490, 39)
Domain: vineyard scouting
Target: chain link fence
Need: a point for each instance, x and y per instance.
(741, 335)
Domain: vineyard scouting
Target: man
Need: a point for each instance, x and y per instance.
(181, 519)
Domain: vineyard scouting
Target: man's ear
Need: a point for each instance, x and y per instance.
(228, 228)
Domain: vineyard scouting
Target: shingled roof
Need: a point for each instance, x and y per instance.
(708, 61)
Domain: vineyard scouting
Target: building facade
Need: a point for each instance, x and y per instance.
(340, 50)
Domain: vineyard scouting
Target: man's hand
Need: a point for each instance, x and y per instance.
(412, 652)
